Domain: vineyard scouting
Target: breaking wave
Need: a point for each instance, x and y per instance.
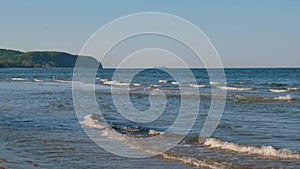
(163, 81)
(193, 161)
(284, 90)
(196, 86)
(175, 83)
(266, 151)
(116, 83)
(189, 159)
(234, 88)
(88, 121)
(278, 90)
(37, 80)
(18, 79)
(215, 83)
(287, 98)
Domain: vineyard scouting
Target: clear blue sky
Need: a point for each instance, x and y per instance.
(248, 33)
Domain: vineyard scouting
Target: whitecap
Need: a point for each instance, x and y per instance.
(155, 132)
(266, 151)
(196, 86)
(278, 90)
(214, 83)
(116, 83)
(18, 79)
(68, 81)
(88, 121)
(234, 88)
(163, 81)
(287, 98)
(193, 161)
(37, 80)
(155, 86)
(136, 84)
(102, 80)
(175, 83)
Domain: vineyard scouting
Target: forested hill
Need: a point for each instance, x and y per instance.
(43, 59)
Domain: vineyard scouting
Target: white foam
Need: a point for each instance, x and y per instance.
(294, 89)
(278, 90)
(193, 161)
(63, 81)
(102, 80)
(196, 86)
(155, 86)
(18, 79)
(155, 132)
(116, 83)
(287, 98)
(214, 83)
(37, 80)
(111, 134)
(88, 121)
(136, 84)
(266, 151)
(175, 83)
(234, 88)
(163, 81)
(68, 81)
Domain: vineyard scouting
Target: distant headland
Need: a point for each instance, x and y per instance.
(43, 59)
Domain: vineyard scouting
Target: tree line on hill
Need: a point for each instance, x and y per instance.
(43, 59)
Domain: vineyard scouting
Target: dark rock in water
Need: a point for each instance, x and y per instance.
(35, 165)
(2, 167)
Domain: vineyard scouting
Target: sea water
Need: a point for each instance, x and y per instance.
(259, 128)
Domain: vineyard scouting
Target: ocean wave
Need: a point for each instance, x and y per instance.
(63, 81)
(215, 83)
(239, 98)
(150, 87)
(37, 80)
(155, 132)
(287, 98)
(88, 121)
(266, 151)
(277, 84)
(293, 89)
(18, 79)
(194, 161)
(111, 134)
(136, 84)
(196, 86)
(241, 82)
(68, 81)
(284, 90)
(101, 80)
(278, 90)
(163, 81)
(234, 88)
(116, 83)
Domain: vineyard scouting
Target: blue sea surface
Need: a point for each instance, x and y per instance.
(260, 126)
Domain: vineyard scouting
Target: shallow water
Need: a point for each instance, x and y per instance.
(259, 128)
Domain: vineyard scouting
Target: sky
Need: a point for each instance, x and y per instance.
(249, 33)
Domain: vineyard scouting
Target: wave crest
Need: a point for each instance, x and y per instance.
(88, 121)
(266, 151)
(234, 88)
(284, 98)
